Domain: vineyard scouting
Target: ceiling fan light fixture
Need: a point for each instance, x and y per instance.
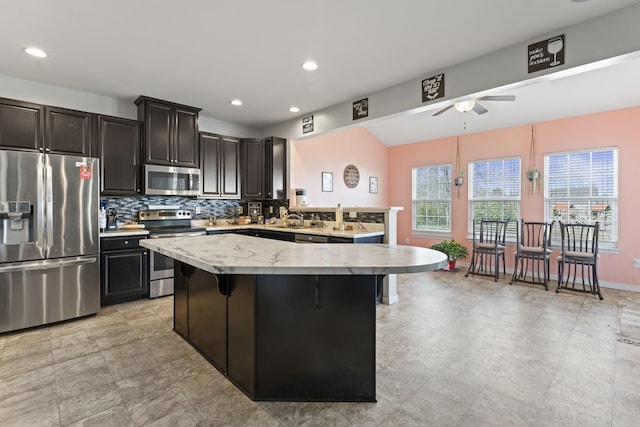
(464, 106)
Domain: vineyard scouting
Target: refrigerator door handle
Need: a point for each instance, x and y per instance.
(49, 206)
(41, 211)
(46, 264)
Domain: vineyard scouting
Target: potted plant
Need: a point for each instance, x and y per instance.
(459, 180)
(453, 250)
(533, 174)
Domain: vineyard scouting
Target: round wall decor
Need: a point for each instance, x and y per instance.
(351, 176)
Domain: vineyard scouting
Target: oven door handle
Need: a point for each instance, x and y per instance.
(190, 234)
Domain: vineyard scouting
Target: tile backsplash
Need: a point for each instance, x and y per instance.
(128, 207)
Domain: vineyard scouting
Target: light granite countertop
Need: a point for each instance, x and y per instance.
(371, 229)
(124, 232)
(238, 254)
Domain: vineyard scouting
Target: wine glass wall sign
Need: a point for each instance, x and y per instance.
(546, 54)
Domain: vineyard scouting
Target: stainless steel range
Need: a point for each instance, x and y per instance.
(165, 223)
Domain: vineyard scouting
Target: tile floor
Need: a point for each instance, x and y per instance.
(453, 351)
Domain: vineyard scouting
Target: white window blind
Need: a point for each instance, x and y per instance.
(494, 191)
(582, 187)
(431, 194)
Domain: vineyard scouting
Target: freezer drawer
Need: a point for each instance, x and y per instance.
(41, 292)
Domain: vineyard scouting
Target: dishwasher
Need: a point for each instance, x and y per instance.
(310, 238)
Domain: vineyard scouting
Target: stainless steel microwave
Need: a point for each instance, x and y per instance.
(172, 181)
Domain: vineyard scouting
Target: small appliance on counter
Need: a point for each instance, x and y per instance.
(112, 219)
(301, 197)
(255, 211)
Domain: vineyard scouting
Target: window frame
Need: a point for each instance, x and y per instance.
(511, 231)
(427, 232)
(590, 200)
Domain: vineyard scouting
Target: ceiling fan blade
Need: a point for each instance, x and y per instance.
(443, 110)
(479, 109)
(498, 98)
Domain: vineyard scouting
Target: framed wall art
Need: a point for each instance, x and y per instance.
(373, 184)
(327, 181)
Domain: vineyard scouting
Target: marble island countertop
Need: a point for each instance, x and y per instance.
(238, 254)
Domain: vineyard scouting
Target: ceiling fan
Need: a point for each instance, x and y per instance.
(472, 104)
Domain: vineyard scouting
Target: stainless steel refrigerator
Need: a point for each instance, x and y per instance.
(49, 239)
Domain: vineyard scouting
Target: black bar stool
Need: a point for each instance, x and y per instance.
(533, 250)
(489, 237)
(579, 249)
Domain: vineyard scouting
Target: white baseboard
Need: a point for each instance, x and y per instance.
(554, 277)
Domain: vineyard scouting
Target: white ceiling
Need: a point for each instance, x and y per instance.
(204, 53)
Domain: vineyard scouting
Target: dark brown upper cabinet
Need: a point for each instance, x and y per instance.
(21, 125)
(252, 168)
(70, 132)
(220, 160)
(170, 132)
(275, 168)
(120, 148)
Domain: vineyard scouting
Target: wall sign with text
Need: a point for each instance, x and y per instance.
(433, 88)
(307, 124)
(361, 109)
(546, 54)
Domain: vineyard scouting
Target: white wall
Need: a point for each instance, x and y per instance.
(607, 36)
(40, 93)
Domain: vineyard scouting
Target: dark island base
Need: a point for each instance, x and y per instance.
(283, 337)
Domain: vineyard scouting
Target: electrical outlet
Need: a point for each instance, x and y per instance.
(636, 263)
(270, 209)
(198, 210)
(407, 241)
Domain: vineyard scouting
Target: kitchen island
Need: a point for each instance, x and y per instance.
(286, 321)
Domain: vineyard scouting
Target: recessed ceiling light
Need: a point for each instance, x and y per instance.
(310, 66)
(236, 102)
(34, 51)
(294, 109)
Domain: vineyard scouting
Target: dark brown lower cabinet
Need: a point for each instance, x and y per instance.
(283, 337)
(124, 269)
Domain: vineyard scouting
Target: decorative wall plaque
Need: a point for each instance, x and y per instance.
(307, 124)
(351, 176)
(546, 54)
(361, 109)
(433, 88)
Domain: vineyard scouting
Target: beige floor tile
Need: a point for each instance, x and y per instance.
(454, 351)
(24, 392)
(79, 375)
(77, 342)
(118, 416)
(42, 416)
(128, 359)
(90, 402)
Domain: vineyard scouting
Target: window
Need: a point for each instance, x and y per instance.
(582, 187)
(494, 191)
(432, 198)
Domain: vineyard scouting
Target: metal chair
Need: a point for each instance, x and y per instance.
(532, 251)
(579, 249)
(489, 237)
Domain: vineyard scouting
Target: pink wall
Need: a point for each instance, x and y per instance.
(331, 153)
(619, 128)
